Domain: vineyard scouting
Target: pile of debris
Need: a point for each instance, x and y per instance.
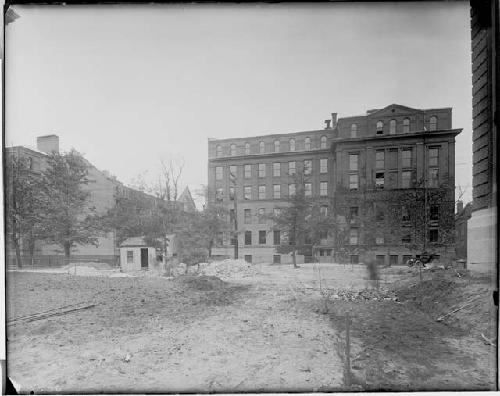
(228, 269)
(364, 295)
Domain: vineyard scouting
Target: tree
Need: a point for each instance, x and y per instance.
(69, 220)
(25, 203)
(131, 215)
(294, 220)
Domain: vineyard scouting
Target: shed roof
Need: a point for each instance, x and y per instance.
(134, 241)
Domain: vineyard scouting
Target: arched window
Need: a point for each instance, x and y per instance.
(292, 144)
(392, 127)
(323, 142)
(30, 163)
(354, 130)
(433, 121)
(233, 150)
(380, 128)
(247, 148)
(262, 147)
(406, 125)
(276, 146)
(307, 143)
(218, 151)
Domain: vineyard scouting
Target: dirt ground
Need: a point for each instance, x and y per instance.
(402, 345)
(273, 331)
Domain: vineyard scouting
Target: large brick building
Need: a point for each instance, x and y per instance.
(369, 168)
(482, 252)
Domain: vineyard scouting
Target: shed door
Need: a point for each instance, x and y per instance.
(144, 258)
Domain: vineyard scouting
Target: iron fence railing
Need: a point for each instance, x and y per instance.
(51, 261)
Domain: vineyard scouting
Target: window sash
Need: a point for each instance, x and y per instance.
(218, 173)
(406, 158)
(291, 168)
(262, 170)
(262, 238)
(323, 189)
(248, 171)
(262, 192)
(353, 182)
(307, 167)
(380, 159)
(307, 144)
(353, 162)
(307, 189)
(247, 191)
(248, 216)
(323, 165)
(277, 191)
(276, 169)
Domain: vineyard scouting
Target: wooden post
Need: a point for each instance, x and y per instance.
(347, 350)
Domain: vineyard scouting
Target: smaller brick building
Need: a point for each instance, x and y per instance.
(461, 217)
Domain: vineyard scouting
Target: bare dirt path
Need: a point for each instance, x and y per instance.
(156, 335)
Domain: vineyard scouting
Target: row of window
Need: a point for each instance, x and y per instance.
(276, 169)
(353, 237)
(379, 240)
(276, 145)
(392, 126)
(323, 140)
(277, 193)
(388, 159)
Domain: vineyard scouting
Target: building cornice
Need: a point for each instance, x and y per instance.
(399, 136)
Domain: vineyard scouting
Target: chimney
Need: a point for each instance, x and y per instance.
(48, 144)
(460, 207)
(327, 122)
(334, 120)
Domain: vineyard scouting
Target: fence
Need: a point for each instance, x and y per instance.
(48, 261)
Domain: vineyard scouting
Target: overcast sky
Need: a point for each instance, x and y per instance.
(127, 85)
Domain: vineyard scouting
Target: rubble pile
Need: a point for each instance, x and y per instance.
(364, 295)
(228, 269)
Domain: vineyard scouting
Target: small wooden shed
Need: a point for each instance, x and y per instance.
(136, 255)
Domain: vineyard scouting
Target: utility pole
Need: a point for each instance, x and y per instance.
(425, 195)
(235, 203)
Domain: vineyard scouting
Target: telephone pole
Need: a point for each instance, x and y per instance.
(235, 203)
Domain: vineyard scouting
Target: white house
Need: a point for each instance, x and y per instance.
(136, 255)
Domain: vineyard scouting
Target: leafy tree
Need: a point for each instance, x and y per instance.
(295, 220)
(69, 220)
(131, 215)
(25, 203)
(213, 221)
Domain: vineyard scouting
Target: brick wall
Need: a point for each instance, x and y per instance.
(483, 66)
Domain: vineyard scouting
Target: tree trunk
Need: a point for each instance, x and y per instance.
(18, 255)
(32, 249)
(67, 251)
(294, 259)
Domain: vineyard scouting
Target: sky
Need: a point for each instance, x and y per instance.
(129, 85)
